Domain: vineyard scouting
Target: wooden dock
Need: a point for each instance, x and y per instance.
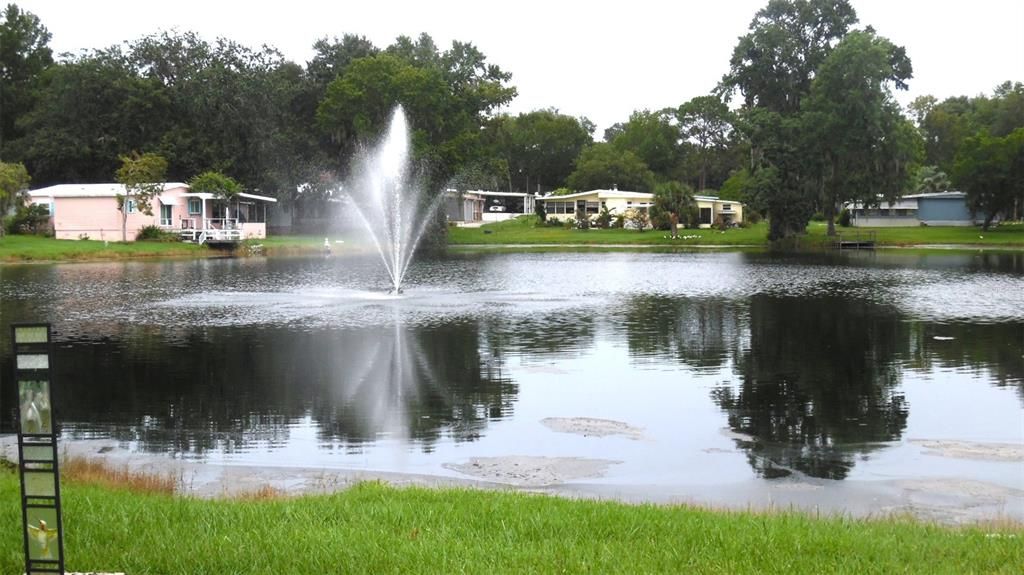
(853, 241)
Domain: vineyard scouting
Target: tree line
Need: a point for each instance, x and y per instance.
(803, 121)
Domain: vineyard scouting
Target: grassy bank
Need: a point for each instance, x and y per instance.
(36, 248)
(523, 231)
(377, 529)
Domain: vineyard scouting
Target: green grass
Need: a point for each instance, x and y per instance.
(373, 528)
(35, 248)
(523, 231)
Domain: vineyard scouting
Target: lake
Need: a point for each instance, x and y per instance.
(864, 382)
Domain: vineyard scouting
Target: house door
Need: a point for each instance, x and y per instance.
(165, 215)
(705, 215)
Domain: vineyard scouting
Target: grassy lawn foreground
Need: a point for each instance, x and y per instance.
(523, 231)
(373, 528)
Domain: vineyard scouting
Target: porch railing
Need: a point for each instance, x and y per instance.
(210, 224)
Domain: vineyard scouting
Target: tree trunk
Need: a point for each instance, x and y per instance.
(988, 221)
(830, 217)
(674, 222)
(124, 222)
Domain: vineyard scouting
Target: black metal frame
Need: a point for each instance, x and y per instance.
(38, 440)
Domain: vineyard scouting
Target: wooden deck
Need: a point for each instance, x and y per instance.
(853, 241)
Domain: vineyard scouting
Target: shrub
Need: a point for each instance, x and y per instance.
(844, 218)
(553, 222)
(569, 223)
(635, 219)
(155, 234)
(752, 217)
(32, 219)
(619, 222)
(539, 211)
(660, 219)
(818, 217)
(582, 221)
(604, 219)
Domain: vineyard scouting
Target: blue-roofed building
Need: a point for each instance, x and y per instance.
(938, 209)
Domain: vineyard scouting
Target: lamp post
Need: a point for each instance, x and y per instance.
(42, 529)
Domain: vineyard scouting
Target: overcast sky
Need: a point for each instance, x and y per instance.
(582, 58)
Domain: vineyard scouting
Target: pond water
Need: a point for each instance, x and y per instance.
(721, 374)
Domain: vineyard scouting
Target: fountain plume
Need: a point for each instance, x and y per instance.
(389, 199)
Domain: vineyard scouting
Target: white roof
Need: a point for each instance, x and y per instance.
(486, 193)
(112, 190)
(606, 194)
(209, 196)
(601, 194)
(940, 195)
(89, 190)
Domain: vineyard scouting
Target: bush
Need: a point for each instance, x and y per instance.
(660, 219)
(752, 217)
(553, 222)
(569, 223)
(818, 217)
(636, 219)
(844, 218)
(619, 222)
(604, 219)
(582, 221)
(155, 234)
(31, 219)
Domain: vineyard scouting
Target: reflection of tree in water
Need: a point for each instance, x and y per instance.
(565, 333)
(702, 333)
(817, 385)
(994, 348)
(193, 389)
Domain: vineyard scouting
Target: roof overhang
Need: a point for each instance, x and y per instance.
(209, 196)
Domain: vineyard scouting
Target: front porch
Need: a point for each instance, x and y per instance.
(212, 220)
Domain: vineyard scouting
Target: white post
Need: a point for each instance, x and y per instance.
(204, 212)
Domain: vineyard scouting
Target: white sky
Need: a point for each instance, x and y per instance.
(585, 59)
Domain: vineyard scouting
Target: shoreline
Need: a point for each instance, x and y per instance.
(297, 251)
(943, 500)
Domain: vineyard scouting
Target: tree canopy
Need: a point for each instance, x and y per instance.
(602, 166)
(24, 55)
(859, 146)
(142, 176)
(990, 170)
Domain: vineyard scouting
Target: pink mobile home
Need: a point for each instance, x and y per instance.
(89, 211)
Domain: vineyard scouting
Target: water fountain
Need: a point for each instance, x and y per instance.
(389, 201)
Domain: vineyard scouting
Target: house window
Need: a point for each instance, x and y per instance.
(195, 206)
(165, 215)
(131, 206)
(726, 207)
(593, 207)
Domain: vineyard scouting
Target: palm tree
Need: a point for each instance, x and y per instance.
(676, 199)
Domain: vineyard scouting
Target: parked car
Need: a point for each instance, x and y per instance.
(496, 209)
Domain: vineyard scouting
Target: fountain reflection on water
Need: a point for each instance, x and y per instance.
(389, 199)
